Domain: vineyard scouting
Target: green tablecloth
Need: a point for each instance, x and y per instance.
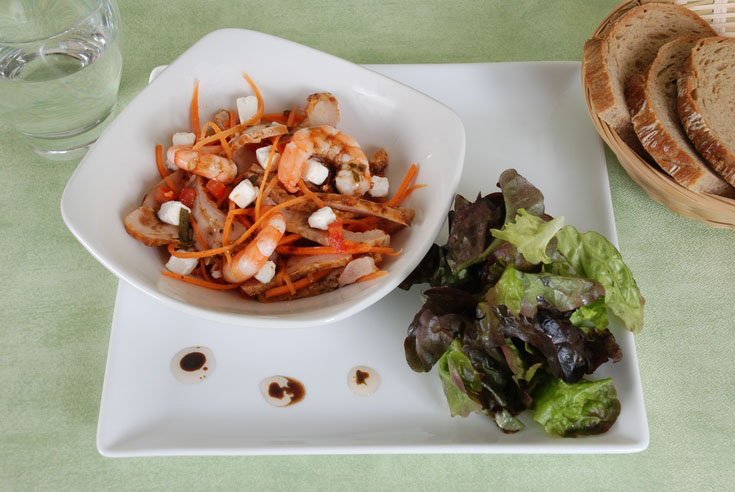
(57, 301)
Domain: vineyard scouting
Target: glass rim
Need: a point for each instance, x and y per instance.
(92, 11)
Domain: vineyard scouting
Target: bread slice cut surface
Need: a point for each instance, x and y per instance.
(652, 98)
(706, 102)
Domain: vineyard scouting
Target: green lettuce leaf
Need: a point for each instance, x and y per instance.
(593, 315)
(506, 421)
(581, 408)
(460, 381)
(518, 366)
(593, 256)
(530, 234)
(520, 292)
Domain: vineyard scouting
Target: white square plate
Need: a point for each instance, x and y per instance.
(529, 116)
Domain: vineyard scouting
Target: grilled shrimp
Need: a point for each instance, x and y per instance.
(203, 164)
(322, 109)
(328, 143)
(251, 259)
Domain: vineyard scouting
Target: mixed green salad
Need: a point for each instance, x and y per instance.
(517, 314)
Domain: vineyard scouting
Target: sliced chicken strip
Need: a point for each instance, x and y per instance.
(256, 134)
(322, 286)
(359, 206)
(145, 226)
(298, 267)
(297, 222)
(357, 268)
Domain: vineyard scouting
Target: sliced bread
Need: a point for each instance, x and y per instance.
(706, 102)
(628, 48)
(652, 98)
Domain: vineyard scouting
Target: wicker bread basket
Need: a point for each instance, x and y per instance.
(713, 210)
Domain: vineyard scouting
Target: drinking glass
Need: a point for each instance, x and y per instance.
(60, 66)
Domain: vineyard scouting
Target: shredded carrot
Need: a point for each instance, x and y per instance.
(404, 195)
(228, 223)
(243, 220)
(299, 284)
(268, 189)
(291, 116)
(289, 284)
(213, 138)
(264, 181)
(352, 249)
(203, 270)
(232, 212)
(197, 232)
(362, 224)
(210, 124)
(261, 106)
(228, 149)
(232, 118)
(291, 238)
(280, 271)
(200, 282)
(242, 238)
(298, 116)
(195, 110)
(410, 174)
(370, 276)
(218, 132)
(162, 170)
(307, 192)
(277, 117)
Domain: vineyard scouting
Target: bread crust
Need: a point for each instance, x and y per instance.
(695, 121)
(599, 83)
(662, 146)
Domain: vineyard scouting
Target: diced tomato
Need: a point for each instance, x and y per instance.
(217, 189)
(187, 196)
(164, 194)
(335, 235)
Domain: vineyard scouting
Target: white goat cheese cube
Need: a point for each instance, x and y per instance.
(169, 212)
(262, 155)
(322, 218)
(246, 107)
(379, 187)
(183, 138)
(316, 172)
(182, 266)
(244, 193)
(266, 273)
